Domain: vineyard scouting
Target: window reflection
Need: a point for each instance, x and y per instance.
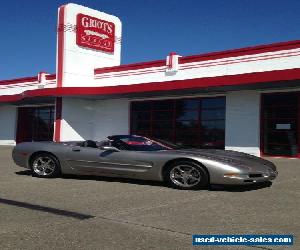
(196, 122)
(187, 115)
(187, 104)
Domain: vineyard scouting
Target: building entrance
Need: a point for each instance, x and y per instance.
(35, 124)
(281, 124)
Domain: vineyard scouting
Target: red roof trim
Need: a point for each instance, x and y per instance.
(242, 51)
(51, 77)
(26, 79)
(231, 80)
(19, 80)
(208, 56)
(186, 59)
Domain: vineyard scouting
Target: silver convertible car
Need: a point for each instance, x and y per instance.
(139, 157)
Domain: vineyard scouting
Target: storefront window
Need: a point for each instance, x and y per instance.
(194, 122)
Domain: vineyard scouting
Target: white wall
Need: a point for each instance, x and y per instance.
(242, 122)
(93, 119)
(8, 116)
(111, 117)
(77, 119)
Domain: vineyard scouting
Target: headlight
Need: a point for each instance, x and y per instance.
(235, 175)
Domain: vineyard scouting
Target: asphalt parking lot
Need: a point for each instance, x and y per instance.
(104, 213)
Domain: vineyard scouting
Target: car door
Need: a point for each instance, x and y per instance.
(83, 159)
(109, 162)
(124, 162)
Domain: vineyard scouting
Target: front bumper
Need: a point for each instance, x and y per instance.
(250, 178)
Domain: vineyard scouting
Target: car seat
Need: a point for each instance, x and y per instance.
(90, 144)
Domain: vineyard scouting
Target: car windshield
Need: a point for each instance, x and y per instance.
(138, 143)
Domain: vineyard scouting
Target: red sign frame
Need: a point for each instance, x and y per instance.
(95, 33)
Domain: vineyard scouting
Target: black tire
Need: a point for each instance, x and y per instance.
(192, 174)
(50, 168)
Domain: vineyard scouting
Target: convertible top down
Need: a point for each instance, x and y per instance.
(139, 157)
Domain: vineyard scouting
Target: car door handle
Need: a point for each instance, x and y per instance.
(76, 149)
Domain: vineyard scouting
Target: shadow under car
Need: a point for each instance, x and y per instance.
(216, 188)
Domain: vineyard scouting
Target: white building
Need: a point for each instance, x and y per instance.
(245, 99)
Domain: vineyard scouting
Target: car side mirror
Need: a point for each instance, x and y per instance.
(110, 148)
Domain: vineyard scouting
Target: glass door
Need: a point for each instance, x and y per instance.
(35, 124)
(280, 118)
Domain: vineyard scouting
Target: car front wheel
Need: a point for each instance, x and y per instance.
(186, 175)
(45, 165)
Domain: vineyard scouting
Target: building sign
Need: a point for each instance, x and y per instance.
(95, 33)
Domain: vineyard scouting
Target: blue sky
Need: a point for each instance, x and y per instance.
(151, 29)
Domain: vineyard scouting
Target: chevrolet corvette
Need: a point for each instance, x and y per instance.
(132, 156)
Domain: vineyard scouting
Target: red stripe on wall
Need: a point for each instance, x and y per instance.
(60, 45)
(58, 117)
(273, 77)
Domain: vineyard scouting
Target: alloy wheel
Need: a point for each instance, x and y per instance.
(185, 176)
(44, 166)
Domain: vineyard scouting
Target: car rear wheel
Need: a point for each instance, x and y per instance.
(186, 175)
(45, 165)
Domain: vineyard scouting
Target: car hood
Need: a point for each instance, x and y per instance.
(237, 159)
